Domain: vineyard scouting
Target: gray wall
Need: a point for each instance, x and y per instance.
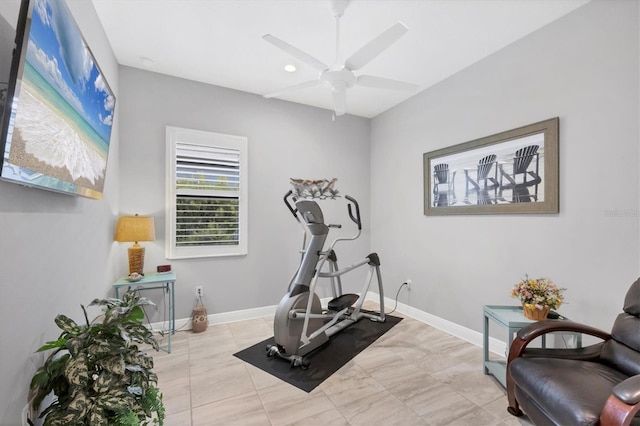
(583, 69)
(56, 251)
(284, 140)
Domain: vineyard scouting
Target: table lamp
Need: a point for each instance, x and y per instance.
(133, 229)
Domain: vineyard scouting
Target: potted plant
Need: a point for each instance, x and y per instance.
(538, 296)
(97, 372)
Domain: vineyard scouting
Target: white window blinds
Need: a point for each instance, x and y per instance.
(207, 194)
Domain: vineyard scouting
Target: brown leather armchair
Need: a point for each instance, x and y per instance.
(597, 384)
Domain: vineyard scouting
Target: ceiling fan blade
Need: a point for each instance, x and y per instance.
(289, 89)
(339, 100)
(376, 46)
(384, 83)
(296, 53)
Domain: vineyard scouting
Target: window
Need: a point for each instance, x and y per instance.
(206, 194)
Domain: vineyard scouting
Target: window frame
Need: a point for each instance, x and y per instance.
(178, 135)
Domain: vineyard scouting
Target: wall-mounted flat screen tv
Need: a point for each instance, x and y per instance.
(58, 113)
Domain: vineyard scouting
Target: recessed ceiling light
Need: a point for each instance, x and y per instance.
(290, 68)
(147, 62)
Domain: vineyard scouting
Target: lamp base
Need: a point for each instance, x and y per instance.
(136, 259)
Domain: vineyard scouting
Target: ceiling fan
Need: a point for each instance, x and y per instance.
(341, 76)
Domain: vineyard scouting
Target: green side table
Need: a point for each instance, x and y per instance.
(150, 281)
(512, 319)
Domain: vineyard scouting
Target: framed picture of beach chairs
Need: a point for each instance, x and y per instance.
(515, 171)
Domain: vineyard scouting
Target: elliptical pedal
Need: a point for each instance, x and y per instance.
(344, 301)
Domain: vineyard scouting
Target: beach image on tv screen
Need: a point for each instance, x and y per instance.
(63, 112)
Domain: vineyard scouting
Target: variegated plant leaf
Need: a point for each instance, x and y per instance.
(140, 358)
(130, 297)
(61, 417)
(131, 357)
(146, 361)
(75, 345)
(115, 400)
(77, 371)
(134, 368)
(123, 382)
(135, 390)
(144, 384)
(110, 302)
(67, 324)
(124, 334)
(145, 301)
(137, 376)
(97, 416)
(141, 413)
(111, 315)
(81, 404)
(104, 381)
(133, 298)
(113, 364)
(98, 348)
(83, 370)
(139, 333)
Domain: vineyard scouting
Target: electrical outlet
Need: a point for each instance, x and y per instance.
(408, 284)
(199, 291)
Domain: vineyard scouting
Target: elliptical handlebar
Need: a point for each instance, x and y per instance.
(289, 206)
(355, 219)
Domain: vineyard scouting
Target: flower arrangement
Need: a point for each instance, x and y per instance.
(321, 188)
(540, 292)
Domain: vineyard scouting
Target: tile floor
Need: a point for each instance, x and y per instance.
(413, 375)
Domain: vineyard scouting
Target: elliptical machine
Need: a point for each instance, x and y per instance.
(301, 324)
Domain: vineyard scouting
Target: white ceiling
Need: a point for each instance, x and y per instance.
(220, 41)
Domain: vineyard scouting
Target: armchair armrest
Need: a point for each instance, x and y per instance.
(623, 404)
(628, 391)
(527, 334)
(542, 327)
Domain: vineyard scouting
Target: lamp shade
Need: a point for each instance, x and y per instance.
(135, 228)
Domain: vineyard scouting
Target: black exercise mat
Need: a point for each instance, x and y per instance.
(325, 360)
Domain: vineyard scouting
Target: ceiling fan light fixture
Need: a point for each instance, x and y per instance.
(339, 94)
(339, 86)
(341, 77)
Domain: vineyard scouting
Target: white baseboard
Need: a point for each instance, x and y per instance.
(242, 315)
(474, 337)
(496, 346)
(221, 318)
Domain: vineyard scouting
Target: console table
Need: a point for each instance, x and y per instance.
(151, 281)
(511, 318)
